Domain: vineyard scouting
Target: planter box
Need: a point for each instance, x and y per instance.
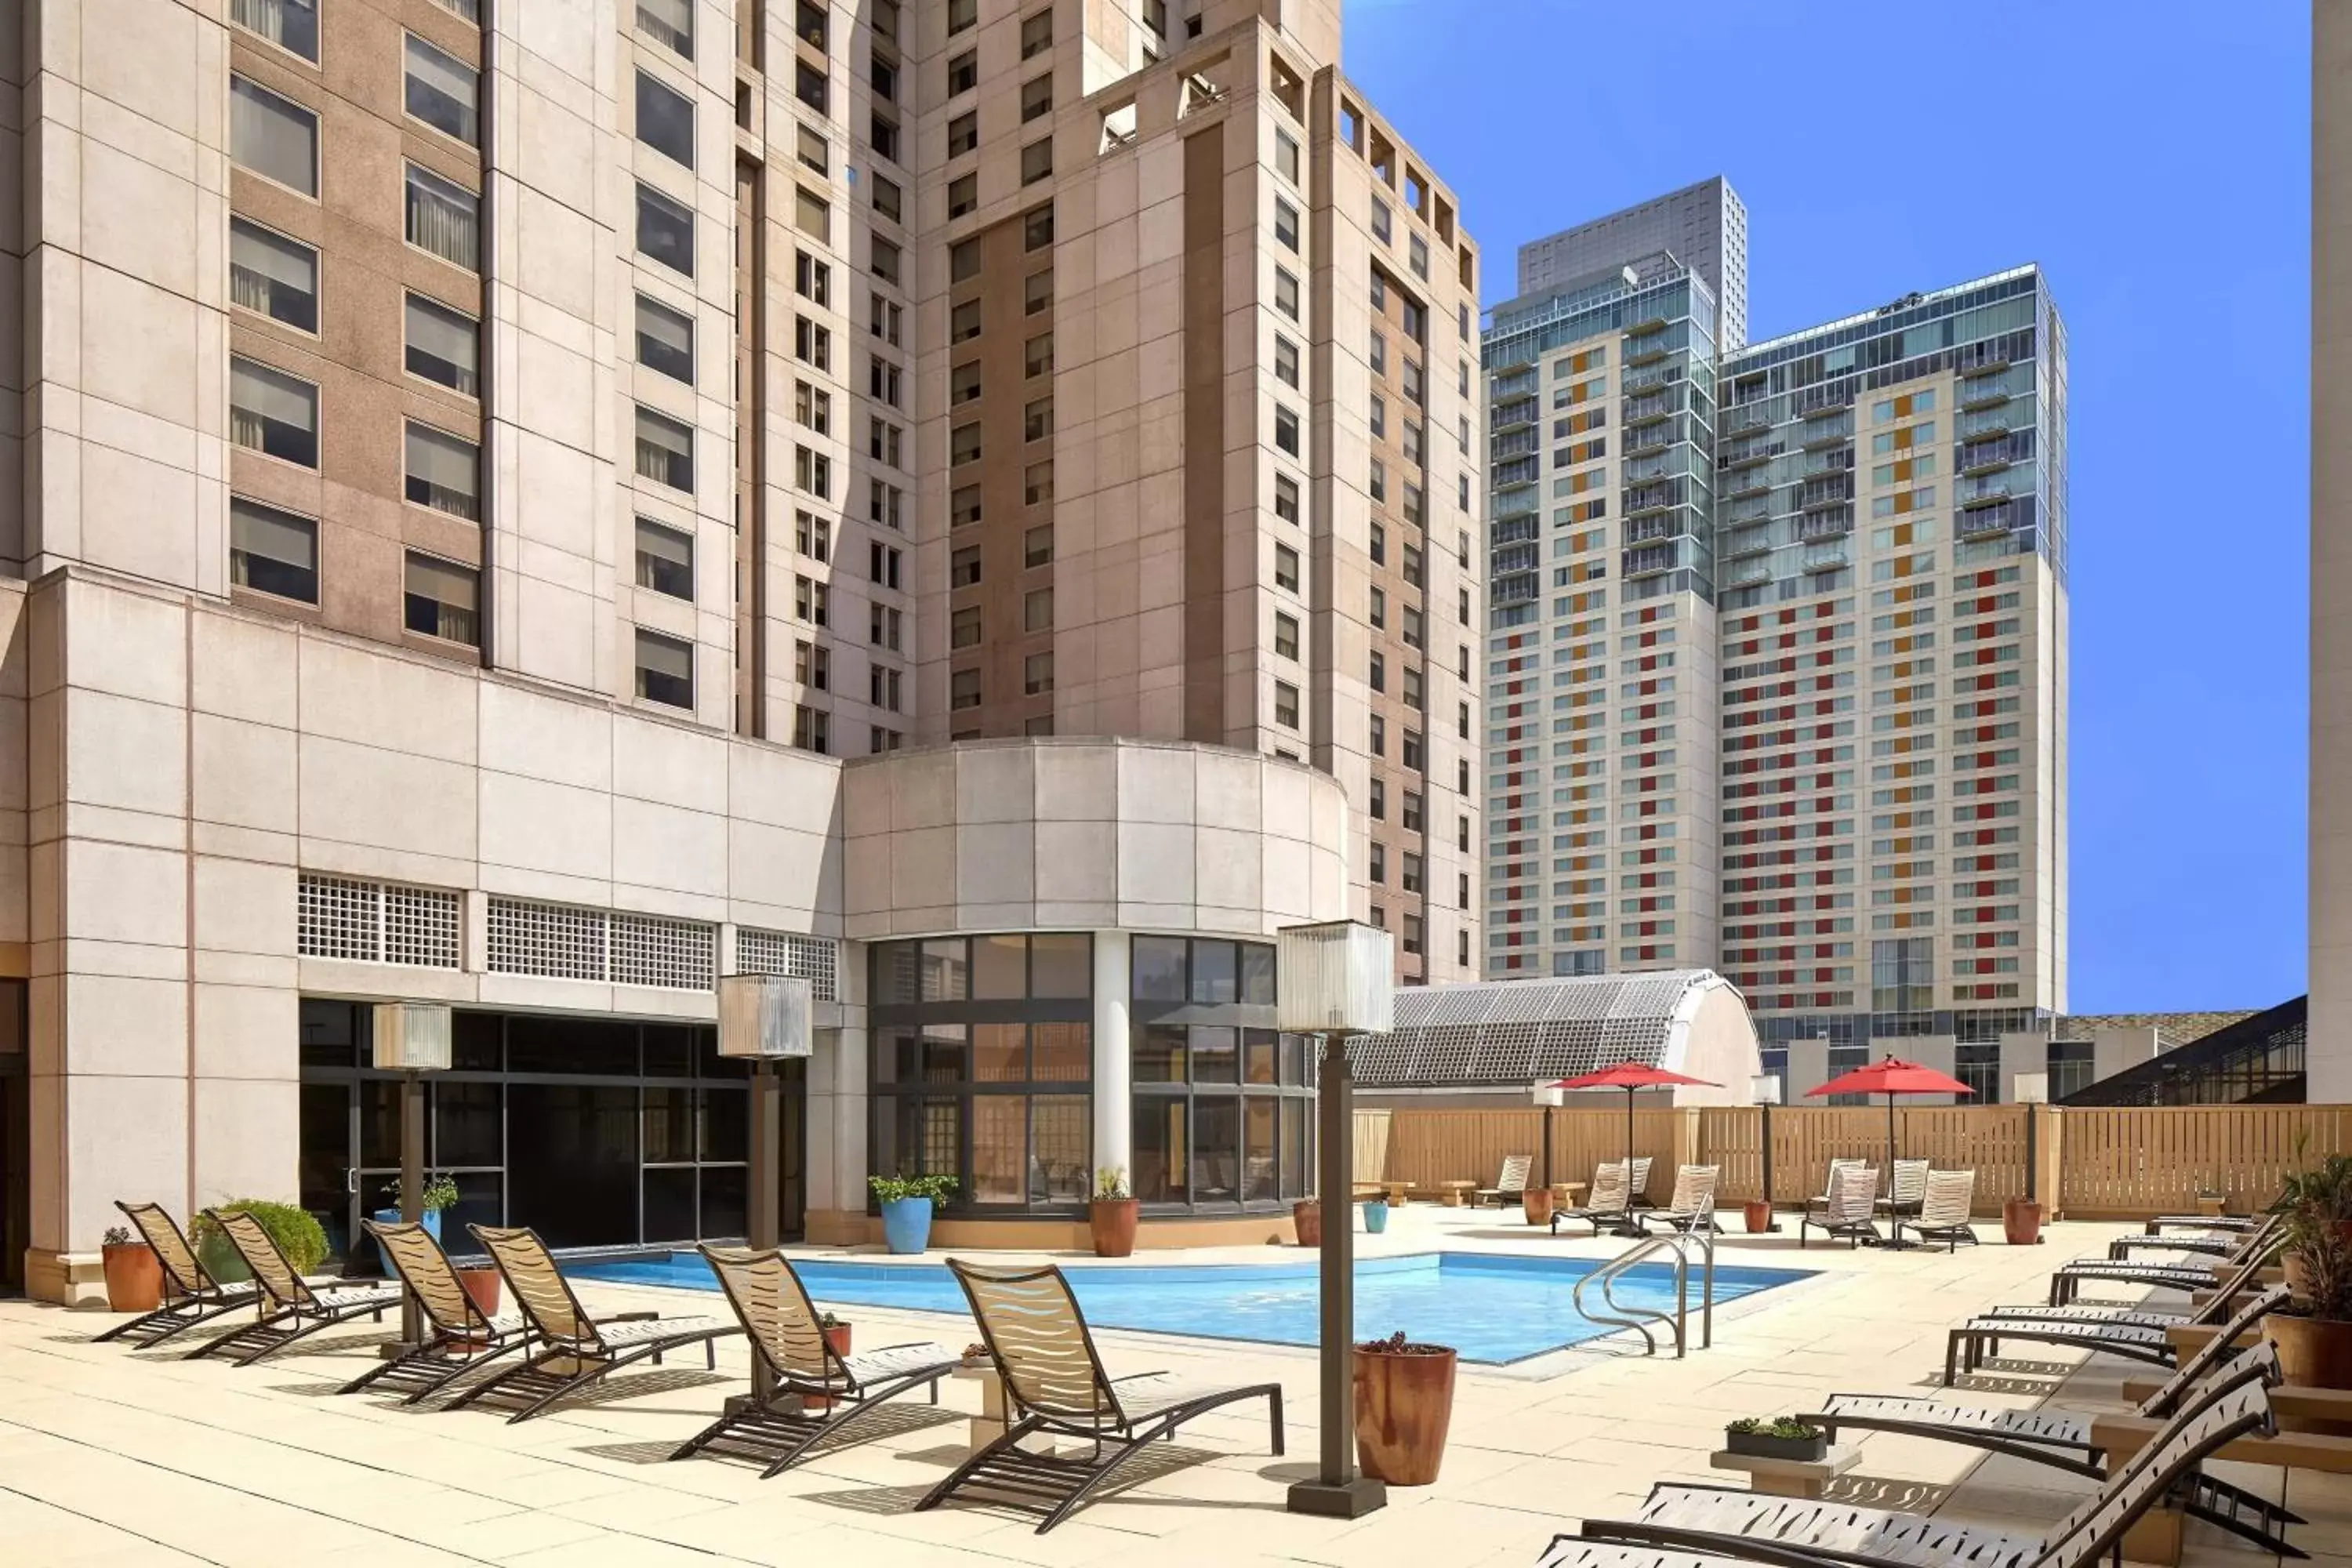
(1807, 1450)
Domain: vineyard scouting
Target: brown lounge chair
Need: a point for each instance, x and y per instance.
(1943, 1212)
(1853, 1198)
(1054, 1386)
(1610, 1201)
(292, 1308)
(1510, 1182)
(191, 1296)
(787, 1336)
(459, 1336)
(578, 1349)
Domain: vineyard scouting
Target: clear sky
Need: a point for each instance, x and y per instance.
(2155, 158)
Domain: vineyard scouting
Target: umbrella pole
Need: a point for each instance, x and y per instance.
(1628, 1228)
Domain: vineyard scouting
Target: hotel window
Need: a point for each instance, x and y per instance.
(665, 230)
(273, 137)
(1286, 497)
(812, 215)
(441, 599)
(1286, 636)
(1417, 249)
(811, 665)
(443, 218)
(811, 278)
(666, 341)
(963, 133)
(442, 91)
(963, 506)
(813, 471)
(963, 73)
(273, 276)
(1285, 360)
(1378, 741)
(1036, 34)
(1038, 161)
(664, 669)
(273, 413)
(1037, 483)
(1036, 97)
(291, 25)
(963, 688)
(1285, 293)
(963, 383)
(813, 535)
(1037, 420)
(664, 121)
(443, 471)
(664, 560)
(272, 551)
(964, 567)
(812, 343)
(1286, 157)
(811, 600)
(665, 450)
(1286, 567)
(1286, 705)
(1379, 220)
(1037, 546)
(1221, 1102)
(812, 728)
(443, 346)
(1037, 227)
(963, 444)
(1037, 610)
(963, 627)
(963, 194)
(1286, 224)
(1285, 430)
(1036, 293)
(962, 14)
(1037, 354)
(1037, 674)
(882, 135)
(669, 23)
(886, 261)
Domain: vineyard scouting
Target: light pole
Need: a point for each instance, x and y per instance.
(1548, 1095)
(1334, 980)
(411, 1038)
(764, 1019)
(1766, 1087)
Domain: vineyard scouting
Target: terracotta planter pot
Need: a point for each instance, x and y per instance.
(1403, 1405)
(1758, 1216)
(1537, 1201)
(1112, 1223)
(2210, 1206)
(2298, 1274)
(2313, 1352)
(1307, 1214)
(837, 1337)
(134, 1277)
(2021, 1222)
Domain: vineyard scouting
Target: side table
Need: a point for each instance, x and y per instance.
(1789, 1477)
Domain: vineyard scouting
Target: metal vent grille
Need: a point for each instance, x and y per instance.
(647, 950)
(814, 959)
(557, 941)
(376, 922)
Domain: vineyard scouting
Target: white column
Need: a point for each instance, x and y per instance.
(1113, 1129)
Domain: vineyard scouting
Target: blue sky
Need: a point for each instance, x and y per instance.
(2155, 158)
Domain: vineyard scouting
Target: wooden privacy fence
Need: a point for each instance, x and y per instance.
(2129, 1161)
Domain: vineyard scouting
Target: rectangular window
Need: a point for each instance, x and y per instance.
(443, 91)
(888, 200)
(1286, 497)
(963, 73)
(963, 444)
(1037, 227)
(1286, 567)
(291, 25)
(1038, 161)
(1037, 483)
(1286, 636)
(441, 598)
(1037, 674)
(963, 133)
(665, 450)
(1286, 157)
(1037, 546)
(963, 506)
(813, 152)
(272, 136)
(669, 23)
(963, 264)
(1036, 293)
(962, 14)
(963, 627)
(812, 215)
(1037, 354)
(1285, 293)
(964, 567)
(665, 230)
(443, 346)
(272, 551)
(963, 194)
(882, 134)
(664, 340)
(1036, 34)
(963, 688)
(272, 411)
(443, 471)
(1286, 431)
(811, 278)
(664, 669)
(273, 276)
(1036, 97)
(1037, 610)
(1037, 420)
(664, 121)
(1286, 224)
(1286, 704)
(813, 471)
(1285, 360)
(664, 560)
(443, 218)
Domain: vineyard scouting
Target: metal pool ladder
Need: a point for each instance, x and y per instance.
(1643, 1320)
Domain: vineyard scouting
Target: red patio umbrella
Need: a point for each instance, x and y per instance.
(1628, 1075)
(1891, 1075)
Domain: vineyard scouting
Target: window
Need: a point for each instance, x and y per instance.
(1286, 157)
(1285, 360)
(963, 444)
(1037, 420)
(1220, 1114)
(811, 343)
(1377, 611)
(272, 551)
(1285, 430)
(884, 504)
(1378, 416)
(291, 25)
(812, 728)
(443, 346)
(1036, 34)
(1037, 354)
(441, 598)
(1413, 755)
(1380, 544)
(882, 565)
(811, 407)
(1379, 805)
(442, 90)
(813, 471)
(669, 23)
(1376, 673)
(1377, 739)
(963, 383)
(273, 413)
(1286, 224)
(1037, 227)
(964, 567)
(813, 151)
(1417, 249)
(813, 535)
(1037, 161)
(1379, 220)
(812, 665)
(882, 133)
(665, 230)
(811, 600)
(963, 506)
(963, 194)
(273, 276)
(882, 627)
(443, 471)
(962, 13)
(1036, 97)
(664, 121)
(963, 627)
(1037, 483)
(665, 450)
(664, 669)
(443, 218)
(1036, 293)
(1380, 353)
(882, 75)
(1037, 674)
(664, 340)
(963, 688)
(1285, 293)
(811, 278)
(884, 687)
(1286, 705)
(963, 73)
(1286, 497)
(963, 133)
(664, 560)
(272, 136)
(1037, 610)
(812, 215)
(1286, 636)
(1286, 567)
(886, 261)
(1037, 545)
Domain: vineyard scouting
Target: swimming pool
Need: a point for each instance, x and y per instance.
(1493, 1309)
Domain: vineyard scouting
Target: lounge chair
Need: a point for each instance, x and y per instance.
(576, 1348)
(1609, 1203)
(1719, 1521)
(292, 1308)
(2231, 1274)
(459, 1336)
(788, 1338)
(2225, 1243)
(1829, 1185)
(1054, 1386)
(1906, 1189)
(1693, 1205)
(1854, 1199)
(2129, 1331)
(2165, 1222)
(1943, 1213)
(1510, 1185)
(2061, 1440)
(191, 1296)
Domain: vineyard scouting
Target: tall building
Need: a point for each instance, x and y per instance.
(1815, 738)
(1704, 226)
(534, 508)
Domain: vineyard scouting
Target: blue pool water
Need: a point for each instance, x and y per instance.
(1490, 1309)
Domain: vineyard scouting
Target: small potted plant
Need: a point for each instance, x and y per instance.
(1404, 1404)
(2314, 1332)
(440, 1193)
(135, 1276)
(1111, 1217)
(1536, 1202)
(1777, 1437)
(297, 1232)
(1307, 1218)
(1758, 1213)
(1376, 1214)
(975, 1355)
(906, 1204)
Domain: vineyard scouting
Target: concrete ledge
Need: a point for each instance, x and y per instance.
(835, 1227)
(75, 1279)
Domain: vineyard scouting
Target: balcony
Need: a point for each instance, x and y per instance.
(1747, 455)
(1983, 521)
(1655, 468)
(1648, 380)
(1649, 560)
(1831, 432)
(1644, 410)
(1517, 444)
(1837, 461)
(1654, 436)
(1652, 498)
(1520, 506)
(1519, 472)
(1644, 529)
(1986, 457)
(1748, 542)
(1646, 351)
(1986, 422)
(1750, 510)
(1746, 421)
(1512, 414)
(1816, 526)
(1518, 383)
(1747, 572)
(1523, 588)
(1820, 493)
(1523, 525)
(1984, 492)
(1748, 483)
(1811, 402)
(1518, 558)
(1983, 392)
(1824, 557)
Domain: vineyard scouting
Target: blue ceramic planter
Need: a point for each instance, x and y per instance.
(1376, 1218)
(906, 1224)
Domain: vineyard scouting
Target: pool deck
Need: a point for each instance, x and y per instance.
(110, 1455)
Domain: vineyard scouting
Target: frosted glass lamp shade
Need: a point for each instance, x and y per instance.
(1550, 1094)
(411, 1037)
(2033, 1089)
(1764, 1089)
(765, 1017)
(1335, 978)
